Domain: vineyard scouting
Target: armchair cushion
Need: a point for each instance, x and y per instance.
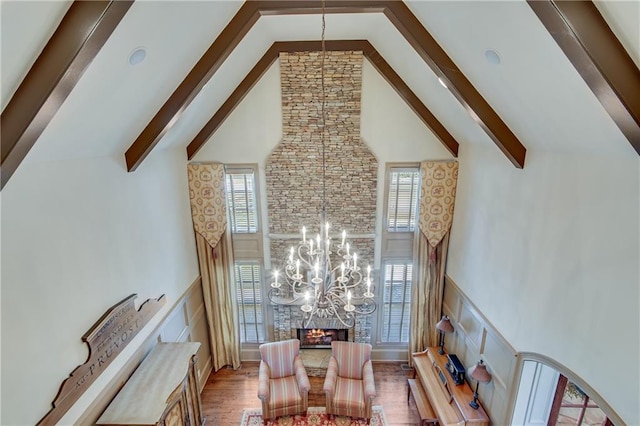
(349, 396)
(284, 393)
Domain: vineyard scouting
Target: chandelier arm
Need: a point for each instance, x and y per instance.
(291, 281)
(311, 314)
(297, 286)
(279, 300)
(308, 256)
(337, 313)
(351, 284)
(353, 273)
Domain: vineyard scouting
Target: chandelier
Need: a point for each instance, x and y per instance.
(323, 275)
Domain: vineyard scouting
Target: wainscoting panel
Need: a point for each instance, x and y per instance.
(200, 333)
(185, 322)
(471, 326)
(502, 360)
(475, 338)
(176, 325)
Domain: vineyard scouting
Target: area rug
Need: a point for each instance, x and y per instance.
(316, 416)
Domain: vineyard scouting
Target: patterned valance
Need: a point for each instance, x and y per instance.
(437, 198)
(208, 204)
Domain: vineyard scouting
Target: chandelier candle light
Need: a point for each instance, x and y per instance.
(322, 276)
(326, 291)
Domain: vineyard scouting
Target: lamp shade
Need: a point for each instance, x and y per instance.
(445, 325)
(479, 372)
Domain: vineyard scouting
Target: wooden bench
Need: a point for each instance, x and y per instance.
(427, 415)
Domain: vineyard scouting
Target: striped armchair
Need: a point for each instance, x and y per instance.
(283, 385)
(349, 385)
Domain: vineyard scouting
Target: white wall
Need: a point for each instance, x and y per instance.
(549, 254)
(77, 237)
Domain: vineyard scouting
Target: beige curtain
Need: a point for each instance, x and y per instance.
(437, 198)
(215, 270)
(215, 258)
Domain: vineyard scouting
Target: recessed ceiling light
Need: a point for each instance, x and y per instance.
(441, 81)
(493, 56)
(137, 56)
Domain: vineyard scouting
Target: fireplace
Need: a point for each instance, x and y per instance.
(321, 337)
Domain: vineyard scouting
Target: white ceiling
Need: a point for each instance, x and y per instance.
(535, 89)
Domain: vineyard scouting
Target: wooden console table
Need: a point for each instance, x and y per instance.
(438, 402)
(162, 391)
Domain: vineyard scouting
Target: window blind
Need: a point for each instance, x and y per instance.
(241, 200)
(249, 298)
(402, 200)
(396, 302)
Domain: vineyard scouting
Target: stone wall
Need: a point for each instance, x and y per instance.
(287, 319)
(294, 170)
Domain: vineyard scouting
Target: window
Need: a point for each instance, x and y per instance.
(396, 275)
(404, 184)
(249, 297)
(241, 200)
(396, 302)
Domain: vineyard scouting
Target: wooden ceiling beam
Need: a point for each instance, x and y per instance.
(81, 34)
(461, 88)
(599, 57)
(438, 129)
(369, 52)
(396, 11)
(193, 83)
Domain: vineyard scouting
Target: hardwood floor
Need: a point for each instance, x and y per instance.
(228, 392)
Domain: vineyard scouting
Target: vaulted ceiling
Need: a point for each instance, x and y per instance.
(567, 81)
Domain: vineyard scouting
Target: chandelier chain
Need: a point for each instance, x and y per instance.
(323, 118)
(328, 292)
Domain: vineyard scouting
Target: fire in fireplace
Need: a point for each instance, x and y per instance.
(321, 337)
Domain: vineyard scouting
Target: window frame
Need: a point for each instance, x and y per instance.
(396, 248)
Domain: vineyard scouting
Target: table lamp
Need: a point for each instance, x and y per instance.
(478, 373)
(443, 326)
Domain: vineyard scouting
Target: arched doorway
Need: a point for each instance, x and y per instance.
(551, 394)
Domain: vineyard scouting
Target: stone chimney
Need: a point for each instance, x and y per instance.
(294, 168)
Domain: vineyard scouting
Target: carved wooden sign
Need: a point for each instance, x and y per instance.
(106, 339)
